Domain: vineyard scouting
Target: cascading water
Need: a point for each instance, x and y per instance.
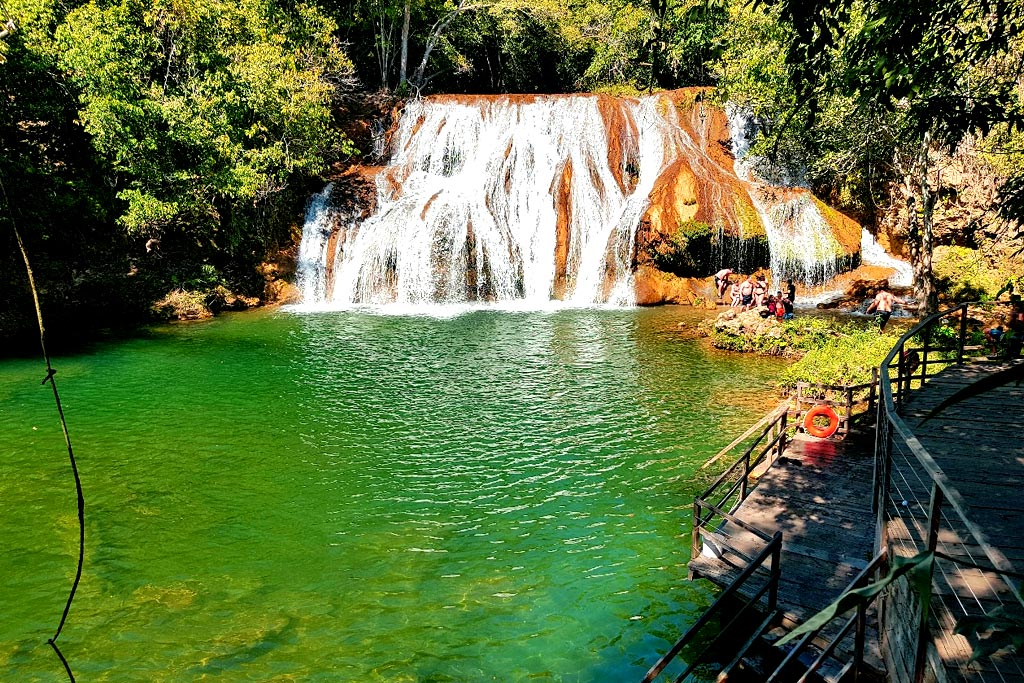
(871, 252)
(468, 208)
(800, 239)
(311, 266)
(503, 201)
(522, 201)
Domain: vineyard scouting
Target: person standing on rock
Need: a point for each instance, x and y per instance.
(787, 308)
(722, 281)
(734, 295)
(760, 292)
(882, 305)
(747, 294)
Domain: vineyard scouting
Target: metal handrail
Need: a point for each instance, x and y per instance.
(891, 415)
(718, 609)
(891, 427)
(858, 620)
(743, 466)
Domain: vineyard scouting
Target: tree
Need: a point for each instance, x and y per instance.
(201, 109)
(941, 69)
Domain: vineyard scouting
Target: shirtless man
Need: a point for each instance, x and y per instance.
(882, 305)
(722, 280)
(747, 294)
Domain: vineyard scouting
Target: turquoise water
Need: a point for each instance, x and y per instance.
(353, 497)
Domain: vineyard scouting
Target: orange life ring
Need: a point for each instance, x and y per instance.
(813, 429)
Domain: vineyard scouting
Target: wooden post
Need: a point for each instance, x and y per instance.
(934, 518)
(963, 336)
(900, 367)
(746, 473)
(883, 467)
(849, 408)
(873, 389)
(858, 640)
(773, 588)
(782, 432)
(924, 351)
(695, 532)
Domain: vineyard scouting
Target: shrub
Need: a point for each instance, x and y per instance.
(844, 359)
(181, 304)
(965, 275)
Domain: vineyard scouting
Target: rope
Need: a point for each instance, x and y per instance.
(50, 372)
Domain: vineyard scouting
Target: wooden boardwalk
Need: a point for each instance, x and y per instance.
(819, 495)
(979, 446)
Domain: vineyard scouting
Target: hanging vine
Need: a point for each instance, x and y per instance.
(50, 373)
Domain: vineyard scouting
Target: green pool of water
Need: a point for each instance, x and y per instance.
(355, 497)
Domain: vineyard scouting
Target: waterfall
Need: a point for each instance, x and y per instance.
(801, 242)
(498, 201)
(871, 252)
(311, 266)
(521, 201)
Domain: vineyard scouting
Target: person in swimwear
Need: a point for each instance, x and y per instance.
(734, 295)
(882, 305)
(760, 292)
(747, 294)
(722, 280)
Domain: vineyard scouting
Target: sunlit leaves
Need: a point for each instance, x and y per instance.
(204, 104)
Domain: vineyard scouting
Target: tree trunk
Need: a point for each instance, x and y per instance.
(418, 78)
(405, 47)
(924, 280)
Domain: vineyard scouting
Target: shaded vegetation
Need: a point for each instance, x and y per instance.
(153, 146)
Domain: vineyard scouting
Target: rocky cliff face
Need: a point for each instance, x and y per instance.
(584, 198)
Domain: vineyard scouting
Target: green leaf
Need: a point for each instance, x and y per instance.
(919, 569)
(990, 633)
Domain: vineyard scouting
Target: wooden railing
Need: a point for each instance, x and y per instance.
(713, 508)
(722, 612)
(914, 496)
(851, 411)
(789, 668)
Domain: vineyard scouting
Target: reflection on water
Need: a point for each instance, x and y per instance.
(351, 496)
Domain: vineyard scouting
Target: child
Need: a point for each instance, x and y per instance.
(734, 295)
(994, 336)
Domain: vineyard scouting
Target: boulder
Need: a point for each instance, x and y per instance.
(281, 292)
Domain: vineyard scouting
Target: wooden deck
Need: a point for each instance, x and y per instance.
(819, 495)
(979, 446)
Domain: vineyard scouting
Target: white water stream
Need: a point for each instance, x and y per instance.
(517, 204)
(872, 253)
(800, 240)
(467, 209)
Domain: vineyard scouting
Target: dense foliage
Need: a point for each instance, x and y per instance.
(880, 91)
(843, 359)
(153, 146)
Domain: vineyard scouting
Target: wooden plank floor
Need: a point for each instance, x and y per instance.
(819, 495)
(979, 445)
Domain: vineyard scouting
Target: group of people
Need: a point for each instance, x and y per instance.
(752, 292)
